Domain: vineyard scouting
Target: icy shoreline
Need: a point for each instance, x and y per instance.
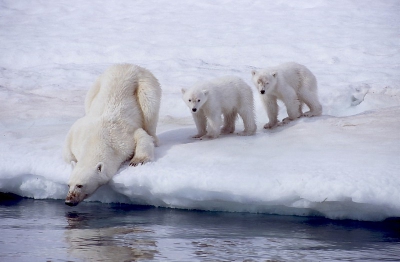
(350, 180)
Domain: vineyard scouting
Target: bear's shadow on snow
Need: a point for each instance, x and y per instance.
(174, 137)
(283, 127)
(181, 136)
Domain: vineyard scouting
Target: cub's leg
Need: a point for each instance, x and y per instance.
(311, 100)
(271, 106)
(214, 125)
(229, 122)
(293, 105)
(247, 114)
(309, 93)
(201, 124)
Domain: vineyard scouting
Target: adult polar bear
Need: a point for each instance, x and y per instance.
(120, 124)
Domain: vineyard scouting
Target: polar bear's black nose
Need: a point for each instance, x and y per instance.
(194, 109)
(262, 91)
(70, 203)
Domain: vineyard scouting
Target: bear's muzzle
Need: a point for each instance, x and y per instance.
(72, 199)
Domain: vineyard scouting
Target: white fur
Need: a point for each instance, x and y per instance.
(293, 84)
(120, 122)
(228, 96)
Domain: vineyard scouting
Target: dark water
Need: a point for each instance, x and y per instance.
(45, 230)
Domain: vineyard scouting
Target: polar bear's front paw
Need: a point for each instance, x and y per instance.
(139, 161)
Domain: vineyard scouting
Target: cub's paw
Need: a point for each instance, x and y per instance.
(227, 130)
(198, 136)
(270, 125)
(209, 136)
(285, 121)
(309, 114)
(246, 133)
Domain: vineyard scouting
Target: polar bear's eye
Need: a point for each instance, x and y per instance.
(79, 186)
(190, 100)
(198, 100)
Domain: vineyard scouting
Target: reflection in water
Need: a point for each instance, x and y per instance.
(126, 234)
(106, 243)
(112, 232)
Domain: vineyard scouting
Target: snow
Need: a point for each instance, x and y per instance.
(342, 165)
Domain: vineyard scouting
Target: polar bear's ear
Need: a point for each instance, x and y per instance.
(253, 72)
(73, 163)
(100, 167)
(205, 92)
(183, 90)
(274, 73)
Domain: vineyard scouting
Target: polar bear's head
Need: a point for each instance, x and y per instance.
(84, 181)
(194, 98)
(264, 81)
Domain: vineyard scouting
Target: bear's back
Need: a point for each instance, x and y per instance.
(116, 90)
(293, 74)
(228, 92)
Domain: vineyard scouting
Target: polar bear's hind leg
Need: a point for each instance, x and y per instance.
(148, 95)
(144, 148)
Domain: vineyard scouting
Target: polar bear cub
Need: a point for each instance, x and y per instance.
(227, 96)
(120, 123)
(293, 84)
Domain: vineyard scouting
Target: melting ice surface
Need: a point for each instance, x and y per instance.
(342, 165)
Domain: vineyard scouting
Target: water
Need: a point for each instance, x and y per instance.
(47, 230)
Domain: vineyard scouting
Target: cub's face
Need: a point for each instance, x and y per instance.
(84, 182)
(194, 100)
(264, 82)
